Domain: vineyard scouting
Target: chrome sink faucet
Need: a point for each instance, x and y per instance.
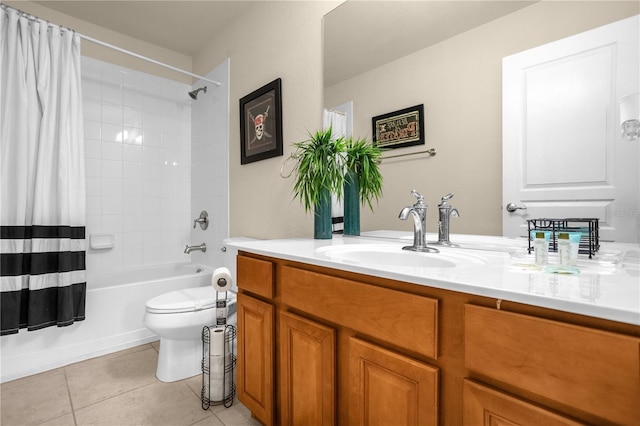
(419, 213)
(445, 211)
(202, 247)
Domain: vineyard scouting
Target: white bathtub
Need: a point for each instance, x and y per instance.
(197, 275)
(114, 310)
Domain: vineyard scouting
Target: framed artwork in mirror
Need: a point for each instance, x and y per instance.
(399, 129)
(261, 123)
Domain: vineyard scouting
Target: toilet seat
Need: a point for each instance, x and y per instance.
(186, 300)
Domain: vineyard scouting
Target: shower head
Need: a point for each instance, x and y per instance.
(194, 93)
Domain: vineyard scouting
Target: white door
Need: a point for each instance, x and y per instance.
(563, 154)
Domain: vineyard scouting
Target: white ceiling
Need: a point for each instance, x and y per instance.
(358, 35)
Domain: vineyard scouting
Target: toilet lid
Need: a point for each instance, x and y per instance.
(187, 300)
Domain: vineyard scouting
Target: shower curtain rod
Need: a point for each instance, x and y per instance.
(111, 46)
(144, 58)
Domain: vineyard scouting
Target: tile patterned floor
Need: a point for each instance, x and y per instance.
(112, 390)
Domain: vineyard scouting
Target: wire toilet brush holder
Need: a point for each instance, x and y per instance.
(220, 377)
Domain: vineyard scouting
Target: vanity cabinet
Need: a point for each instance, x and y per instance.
(323, 346)
(345, 351)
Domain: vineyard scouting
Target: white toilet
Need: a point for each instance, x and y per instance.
(178, 317)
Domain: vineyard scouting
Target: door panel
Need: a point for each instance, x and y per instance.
(386, 388)
(484, 406)
(563, 155)
(307, 371)
(255, 357)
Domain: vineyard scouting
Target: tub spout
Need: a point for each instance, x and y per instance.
(202, 247)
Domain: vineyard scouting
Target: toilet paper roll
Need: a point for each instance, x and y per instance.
(219, 389)
(216, 342)
(221, 279)
(218, 364)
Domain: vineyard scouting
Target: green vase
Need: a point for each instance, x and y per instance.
(351, 204)
(322, 218)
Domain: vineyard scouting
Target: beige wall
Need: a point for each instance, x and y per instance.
(117, 39)
(460, 84)
(275, 40)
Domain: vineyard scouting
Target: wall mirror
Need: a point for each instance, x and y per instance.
(447, 55)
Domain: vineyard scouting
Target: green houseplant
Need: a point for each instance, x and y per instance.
(319, 173)
(363, 180)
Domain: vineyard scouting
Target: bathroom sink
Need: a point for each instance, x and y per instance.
(392, 255)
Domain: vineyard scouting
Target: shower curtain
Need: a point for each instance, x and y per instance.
(42, 191)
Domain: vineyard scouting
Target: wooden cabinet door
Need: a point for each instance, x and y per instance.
(484, 406)
(307, 371)
(386, 388)
(255, 357)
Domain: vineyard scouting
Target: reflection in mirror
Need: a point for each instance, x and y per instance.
(451, 62)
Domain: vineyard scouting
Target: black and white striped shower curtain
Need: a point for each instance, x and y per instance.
(42, 191)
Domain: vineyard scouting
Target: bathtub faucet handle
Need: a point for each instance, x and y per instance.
(203, 220)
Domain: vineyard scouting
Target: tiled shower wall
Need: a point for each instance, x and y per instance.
(210, 167)
(138, 166)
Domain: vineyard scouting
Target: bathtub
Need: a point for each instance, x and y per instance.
(114, 310)
(197, 275)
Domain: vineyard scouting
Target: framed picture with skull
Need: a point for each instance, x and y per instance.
(261, 123)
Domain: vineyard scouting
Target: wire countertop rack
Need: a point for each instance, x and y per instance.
(588, 227)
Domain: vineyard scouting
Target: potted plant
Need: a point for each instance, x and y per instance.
(363, 180)
(319, 173)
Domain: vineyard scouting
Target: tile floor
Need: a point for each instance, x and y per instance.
(116, 389)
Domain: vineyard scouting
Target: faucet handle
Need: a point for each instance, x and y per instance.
(203, 220)
(443, 202)
(418, 196)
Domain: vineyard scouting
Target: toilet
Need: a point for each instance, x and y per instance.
(178, 317)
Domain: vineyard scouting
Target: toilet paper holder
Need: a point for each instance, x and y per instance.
(214, 373)
(229, 365)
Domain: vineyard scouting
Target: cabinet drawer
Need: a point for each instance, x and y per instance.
(484, 406)
(402, 319)
(591, 370)
(255, 275)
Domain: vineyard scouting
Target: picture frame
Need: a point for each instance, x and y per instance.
(261, 123)
(399, 129)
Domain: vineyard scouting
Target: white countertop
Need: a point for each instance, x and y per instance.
(608, 286)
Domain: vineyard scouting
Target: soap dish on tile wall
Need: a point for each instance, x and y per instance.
(101, 241)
